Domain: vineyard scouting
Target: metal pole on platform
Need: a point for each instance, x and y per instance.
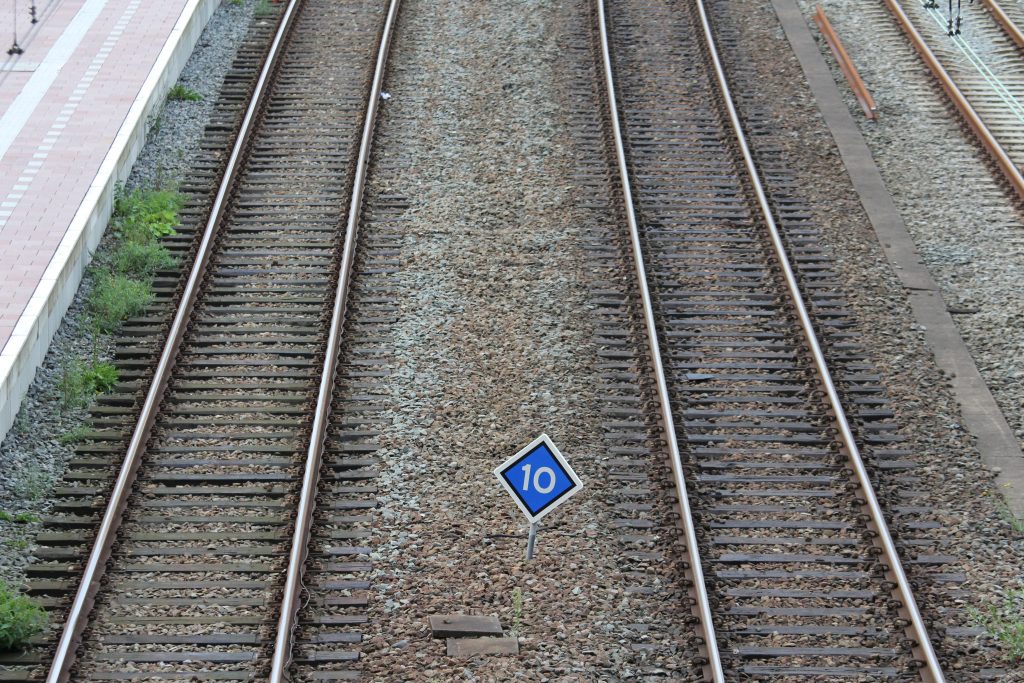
(531, 541)
(15, 49)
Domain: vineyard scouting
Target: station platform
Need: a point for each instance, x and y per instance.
(74, 105)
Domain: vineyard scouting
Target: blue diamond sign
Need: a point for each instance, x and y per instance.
(538, 478)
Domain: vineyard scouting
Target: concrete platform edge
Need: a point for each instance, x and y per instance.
(985, 421)
(26, 348)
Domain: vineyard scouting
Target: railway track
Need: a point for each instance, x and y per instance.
(791, 570)
(803, 578)
(196, 567)
(980, 70)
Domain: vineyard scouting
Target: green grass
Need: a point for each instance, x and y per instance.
(115, 298)
(143, 216)
(16, 543)
(74, 435)
(18, 518)
(1005, 622)
(263, 8)
(21, 423)
(20, 619)
(82, 381)
(517, 611)
(122, 287)
(1006, 513)
(32, 483)
(141, 260)
(183, 93)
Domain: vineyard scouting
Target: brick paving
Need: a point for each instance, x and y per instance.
(62, 103)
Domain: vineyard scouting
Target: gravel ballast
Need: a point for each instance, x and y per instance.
(33, 453)
(494, 336)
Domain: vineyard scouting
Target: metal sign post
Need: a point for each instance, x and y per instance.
(539, 479)
(531, 541)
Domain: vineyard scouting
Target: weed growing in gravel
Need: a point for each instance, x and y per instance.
(81, 381)
(1007, 514)
(32, 483)
(101, 377)
(142, 216)
(20, 618)
(21, 423)
(1006, 622)
(16, 543)
(18, 518)
(123, 281)
(263, 8)
(116, 298)
(74, 435)
(183, 93)
(141, 260)
(517, 610)
(72, 386)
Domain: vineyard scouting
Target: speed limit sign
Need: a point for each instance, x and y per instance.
(538, 478)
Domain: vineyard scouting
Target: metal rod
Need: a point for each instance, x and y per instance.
(314, 455)
(702, 604)
(15, 49)
(78, 615)
(924, 645)
(531, 541)
(846, 65)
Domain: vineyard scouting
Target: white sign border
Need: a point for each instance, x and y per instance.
(546, 440)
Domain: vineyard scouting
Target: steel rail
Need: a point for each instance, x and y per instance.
(81, 607)
(932, 671)
(702, 604)
(283, 645)
(974, 121)
(1005, 22)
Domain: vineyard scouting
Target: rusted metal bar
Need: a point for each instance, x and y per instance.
(867, 102)
(702, 603)
(1006, 22)
(283, 645)
(972, 118)
(931, 671)
(81, 607)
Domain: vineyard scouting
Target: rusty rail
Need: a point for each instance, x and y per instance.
(81, 607)
(1005, 22)
(867, 102)
(974, 121)
(314, 456)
